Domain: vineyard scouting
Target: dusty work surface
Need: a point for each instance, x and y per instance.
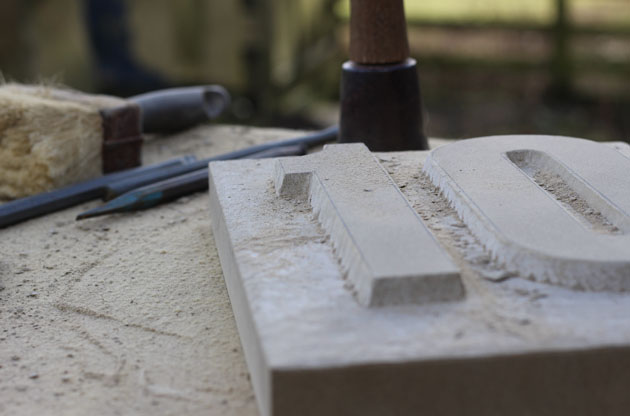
(125, 314)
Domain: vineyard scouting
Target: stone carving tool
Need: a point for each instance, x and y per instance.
(380, 94)
(37, 205)
(173, 188)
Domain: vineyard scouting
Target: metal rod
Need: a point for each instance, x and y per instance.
(26, 208)
(176, 187)
(37, 205)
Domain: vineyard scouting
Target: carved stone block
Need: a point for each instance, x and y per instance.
(523, 238)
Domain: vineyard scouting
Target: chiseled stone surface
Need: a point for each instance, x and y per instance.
(387, 253)
(511, 346)
(555, 209)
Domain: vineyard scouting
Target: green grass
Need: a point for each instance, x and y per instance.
(540, 11)
(502, 10)
(531, 11)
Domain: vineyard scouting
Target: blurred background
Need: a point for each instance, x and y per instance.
(486, 66)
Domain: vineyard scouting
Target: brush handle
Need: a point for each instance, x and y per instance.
(378, 32)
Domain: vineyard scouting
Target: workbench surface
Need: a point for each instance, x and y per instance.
(126, 314)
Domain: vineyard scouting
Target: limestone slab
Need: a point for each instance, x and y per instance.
(510, 346)
(386, 251)
(557, 209)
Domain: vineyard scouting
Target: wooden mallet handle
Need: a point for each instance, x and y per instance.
(378, 32)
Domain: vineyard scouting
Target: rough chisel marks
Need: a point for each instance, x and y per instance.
(556, 209)
(385, 249)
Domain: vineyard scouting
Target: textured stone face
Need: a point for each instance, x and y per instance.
(514, 344)
(555, 209)
(386, 251)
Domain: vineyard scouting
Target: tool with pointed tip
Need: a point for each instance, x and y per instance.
(173, 188)
(37, 205)
(380, 94)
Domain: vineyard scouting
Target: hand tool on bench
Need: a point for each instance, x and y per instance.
(380, 94)
(197, 181)
(26, 208)
(45, 203)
